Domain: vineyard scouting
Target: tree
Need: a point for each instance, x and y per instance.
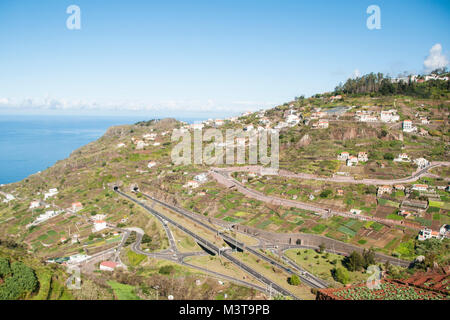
(294, 280)
(369, 257)
(322, 247)
(354, 262)
(388, 156)
(5, 269)
(146, 239)
(325, 193)
(341, 275)
(166, 269)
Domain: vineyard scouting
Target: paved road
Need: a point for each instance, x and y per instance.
(311, 281)
(284, 173)
(225, 178)
(213, 248)
(334, 245)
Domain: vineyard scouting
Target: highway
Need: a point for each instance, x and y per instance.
(309, 279)
(212, 247)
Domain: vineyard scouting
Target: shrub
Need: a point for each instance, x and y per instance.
(325, 193)
(166, 270)
(341, 275)
(294, 280)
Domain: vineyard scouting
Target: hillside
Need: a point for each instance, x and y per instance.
(118, 158)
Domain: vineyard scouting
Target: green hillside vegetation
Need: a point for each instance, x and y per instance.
(24, 277)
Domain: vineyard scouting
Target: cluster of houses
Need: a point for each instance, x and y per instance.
(420, 162)
(427, 233)
(144, 141)
(389, 189)
(353, 160)
(197, 181)
(51, 193)
(321, 124)
(8, 197)
(45, 216)
(419, 79)
(386, 116)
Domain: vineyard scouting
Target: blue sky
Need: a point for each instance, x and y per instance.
(182, 57)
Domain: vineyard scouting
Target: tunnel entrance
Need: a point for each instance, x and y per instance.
(208, 251)
(233, 246)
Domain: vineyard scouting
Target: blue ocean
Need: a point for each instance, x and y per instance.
(32, 143)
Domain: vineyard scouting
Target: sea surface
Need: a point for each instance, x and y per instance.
(29, 144)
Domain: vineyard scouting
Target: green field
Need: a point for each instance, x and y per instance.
(123, 291)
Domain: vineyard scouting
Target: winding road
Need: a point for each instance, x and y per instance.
(212, 247)
(223, 176)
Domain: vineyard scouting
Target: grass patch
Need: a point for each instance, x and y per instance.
(347, 231)
(135, 258)
(394, 216)
(123, 291)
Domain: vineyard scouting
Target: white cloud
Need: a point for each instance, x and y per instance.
(48, 103)
(436, 59)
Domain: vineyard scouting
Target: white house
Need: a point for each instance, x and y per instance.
(47, 215)
(50, 193)
(120, 145)
(408, 126)
(424, 120)
(403, 157)
(368, 118)
(151, 164)
(352, 161)
(355, 211)
(77, 258)
(35, 204)
(323, 124)
(77, 206)
(384, 189)
(149, 136)
(108, 265)
(219, 122)
(420, 187)
(427, 233)
(404, 213)
(292, 119)
(363, 157)
(8, 198)
(389, 116)
(140, 145)
(192, 184)
(421, 162)
(99, 225)
(74, 238)
(202, 177)
(343, 156)
(445, 230)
